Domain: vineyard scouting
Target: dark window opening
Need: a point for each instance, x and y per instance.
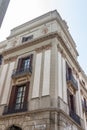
(25, 39)
(71, 101)
(70, 78)
(0, 59)
(25, 63)
(13, 127)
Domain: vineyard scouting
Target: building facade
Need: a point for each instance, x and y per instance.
(42, 84)
(3, 8)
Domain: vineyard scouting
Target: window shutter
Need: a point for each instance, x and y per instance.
(26, 95)
(31, 59)
(67, 74)
(19, 64)
(68, 97)
(12, 98)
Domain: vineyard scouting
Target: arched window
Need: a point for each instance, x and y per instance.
(13, 127)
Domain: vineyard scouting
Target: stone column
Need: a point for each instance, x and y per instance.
(64, 90)
(53, 74)
(60, 94)
(3, 77)
(80, 101)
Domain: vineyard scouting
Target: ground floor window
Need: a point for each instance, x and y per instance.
(19, 98)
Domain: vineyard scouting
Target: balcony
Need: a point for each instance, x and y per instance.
(75, 117)
(22, 72)
(12, 110)
(65, 108)
(72, 81)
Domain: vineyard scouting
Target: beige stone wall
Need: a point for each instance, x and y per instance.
(37, 75)
(51, 46)
(3, 78)
(43, 120)
(46, 73)
(7, 84)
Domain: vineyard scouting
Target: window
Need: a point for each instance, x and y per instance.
(24, 67)
(72, 110)
(70, 78)
(25, 63)
(25, 39)
(19, 98)
(71, 101)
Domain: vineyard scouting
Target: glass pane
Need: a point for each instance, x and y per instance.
(21, 105)
(23, 93)
(22, 99)
(18, 100)
(17, 106)
(24, 88)
(19, 94)
(27, 63)
(20, 89)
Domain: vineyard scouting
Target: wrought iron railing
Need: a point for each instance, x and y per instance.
(75, 117)
(72, 80)
(21, 71)
(10, 110)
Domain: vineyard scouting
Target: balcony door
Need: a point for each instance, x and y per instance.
(25, 63)
(19, 98)
(71, 101)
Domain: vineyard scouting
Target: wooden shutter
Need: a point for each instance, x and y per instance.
(31, 59)
(19, 64)
(67, 74)
(68, 97)
(26, 95)
(12, 98)
(72, 102)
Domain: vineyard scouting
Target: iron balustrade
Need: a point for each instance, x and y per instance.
(22, 71)
(8, 110)
(70, 78)
(75, 117)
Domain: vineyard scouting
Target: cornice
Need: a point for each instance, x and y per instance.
(28, 44)
(68, 51)
(42, 39)
(45, 47)
(11, 59)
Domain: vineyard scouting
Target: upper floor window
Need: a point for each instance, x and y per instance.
(71, 101)
(25, 63)
(71, 80)
(24, 67)
(27, 38)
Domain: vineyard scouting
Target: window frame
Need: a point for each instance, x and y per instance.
(13, 97)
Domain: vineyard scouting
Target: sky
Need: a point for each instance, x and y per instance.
(74, 12)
